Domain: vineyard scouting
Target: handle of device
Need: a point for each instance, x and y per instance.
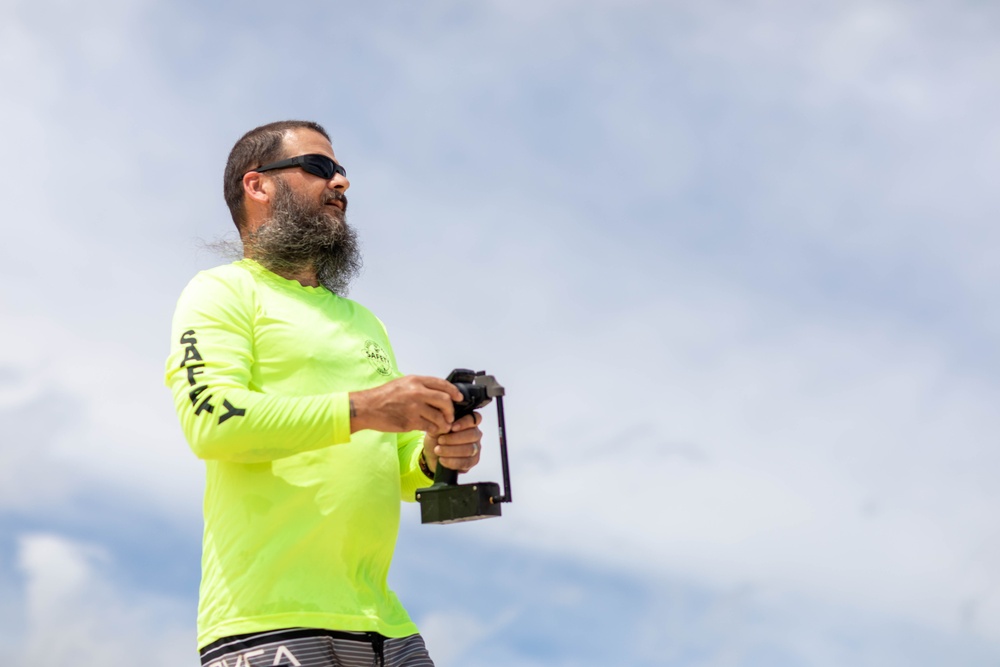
(443, 475)
(447, 476)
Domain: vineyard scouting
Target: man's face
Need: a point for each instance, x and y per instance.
(307, 228)
(309, 187)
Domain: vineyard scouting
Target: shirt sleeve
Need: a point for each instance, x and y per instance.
(209, 371)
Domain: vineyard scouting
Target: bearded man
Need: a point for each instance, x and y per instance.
(310, 435)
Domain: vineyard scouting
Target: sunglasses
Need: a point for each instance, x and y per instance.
(315, 164)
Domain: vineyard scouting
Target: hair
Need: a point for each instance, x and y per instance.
(254, 149)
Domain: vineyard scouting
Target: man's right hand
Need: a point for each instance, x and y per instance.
(411, 403)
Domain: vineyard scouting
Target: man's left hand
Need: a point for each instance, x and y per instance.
(459, 448)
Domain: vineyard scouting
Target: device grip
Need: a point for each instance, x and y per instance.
(444, 475)
(467, 406)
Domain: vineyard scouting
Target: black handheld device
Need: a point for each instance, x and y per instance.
(447, 501)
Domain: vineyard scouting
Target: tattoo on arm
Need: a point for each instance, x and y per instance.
(354, 410)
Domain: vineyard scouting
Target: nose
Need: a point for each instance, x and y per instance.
(339, 182)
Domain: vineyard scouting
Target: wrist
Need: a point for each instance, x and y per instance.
(427, 456)
(425, 466)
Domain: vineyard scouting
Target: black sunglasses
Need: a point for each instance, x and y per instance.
(315, 164)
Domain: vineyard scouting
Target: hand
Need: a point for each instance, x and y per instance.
(457, 449)
(411, 403)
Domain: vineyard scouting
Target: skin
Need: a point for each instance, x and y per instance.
(406, 404)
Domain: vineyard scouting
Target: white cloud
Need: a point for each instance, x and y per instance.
(77, 614)
(833, 459)
(837, 449)
(452, 637)
(667, 412)
(88, 414)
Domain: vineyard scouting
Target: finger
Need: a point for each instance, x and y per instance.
(439, 421)
(466, 451)
(427, 426)
(467, 422)
(460, 464)
(442, 402)
(463, 463)
(465, 437)
(442, 385)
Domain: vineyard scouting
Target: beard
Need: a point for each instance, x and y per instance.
(305, 236)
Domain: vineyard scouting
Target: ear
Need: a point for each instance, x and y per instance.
(254, 187)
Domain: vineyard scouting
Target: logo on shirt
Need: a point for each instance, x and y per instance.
(191, 354)
(378, 358)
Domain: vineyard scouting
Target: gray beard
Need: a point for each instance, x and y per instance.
(304, 237)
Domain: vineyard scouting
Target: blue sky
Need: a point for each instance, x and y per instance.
(734, 263)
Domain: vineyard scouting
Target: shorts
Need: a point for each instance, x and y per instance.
(310, 647)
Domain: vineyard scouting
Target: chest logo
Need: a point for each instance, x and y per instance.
(378, 358)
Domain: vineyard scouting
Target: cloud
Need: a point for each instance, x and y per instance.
(830, 460)
(28, 478)
(733, 263)
(84, 414)
(455, 635)
(483, 603)
(75, 613)
(802, 326)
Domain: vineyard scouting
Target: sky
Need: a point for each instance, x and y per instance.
(732, 261)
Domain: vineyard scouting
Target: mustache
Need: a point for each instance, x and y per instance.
(337, 196)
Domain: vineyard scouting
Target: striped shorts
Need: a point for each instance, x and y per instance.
(310, 647)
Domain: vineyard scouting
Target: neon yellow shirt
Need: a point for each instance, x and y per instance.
(301, 517)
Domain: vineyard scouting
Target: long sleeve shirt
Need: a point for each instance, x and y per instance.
(301, 517)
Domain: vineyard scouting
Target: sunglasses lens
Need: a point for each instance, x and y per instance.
(322, 166)
(318, 165)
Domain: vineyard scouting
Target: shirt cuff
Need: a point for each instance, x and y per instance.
(341, 418)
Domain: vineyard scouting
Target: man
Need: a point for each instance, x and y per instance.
(310, 434)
